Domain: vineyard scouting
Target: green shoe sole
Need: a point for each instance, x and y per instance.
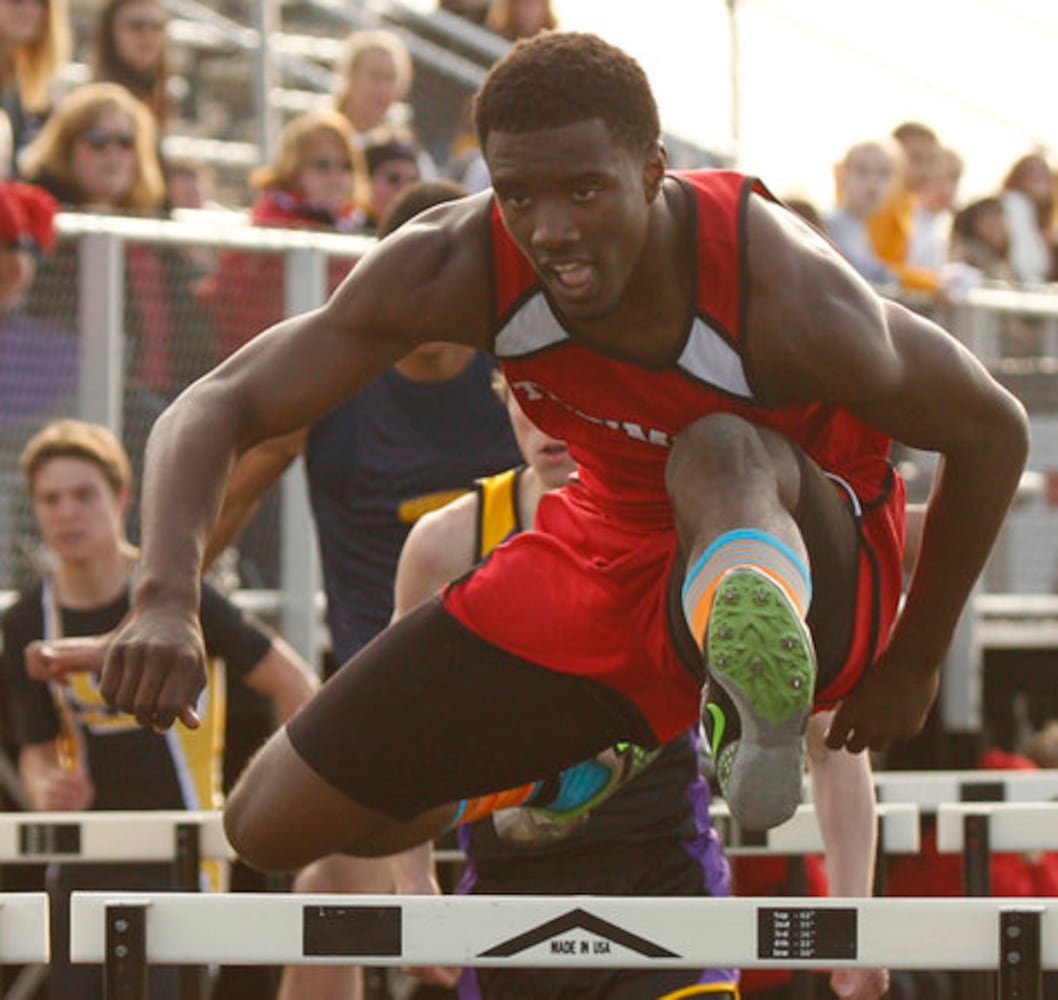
(759, 651)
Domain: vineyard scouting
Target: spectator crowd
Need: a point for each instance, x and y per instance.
(98, 146)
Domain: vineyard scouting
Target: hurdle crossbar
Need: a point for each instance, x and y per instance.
(781, 932)
(1012, 826)
(898, 831)
(24, 935)
(120, 836)
(930, 789)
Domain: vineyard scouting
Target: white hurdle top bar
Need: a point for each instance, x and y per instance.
(898, 833)
(930, 789)
(33, 837)
(783, 932)
(24, 935)
(1012, 826)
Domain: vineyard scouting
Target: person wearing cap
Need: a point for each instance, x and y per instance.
(393, 163)
(27, 230)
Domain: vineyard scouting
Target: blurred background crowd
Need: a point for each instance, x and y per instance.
(148, 107)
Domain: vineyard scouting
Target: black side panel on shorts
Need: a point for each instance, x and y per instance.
(429, 713)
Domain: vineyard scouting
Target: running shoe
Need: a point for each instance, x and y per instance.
(569, 799)
(762, 672)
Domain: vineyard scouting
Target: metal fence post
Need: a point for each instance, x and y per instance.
(305, 288)
(101, 293)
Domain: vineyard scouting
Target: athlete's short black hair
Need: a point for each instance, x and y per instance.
(559, 78)
(416, 198)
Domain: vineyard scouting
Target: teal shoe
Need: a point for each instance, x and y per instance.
(581, 788)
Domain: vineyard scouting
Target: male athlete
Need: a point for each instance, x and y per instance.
(728, 386)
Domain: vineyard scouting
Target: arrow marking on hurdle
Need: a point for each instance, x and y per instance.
(577, 920)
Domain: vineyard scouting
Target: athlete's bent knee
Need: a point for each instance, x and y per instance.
(716, 443)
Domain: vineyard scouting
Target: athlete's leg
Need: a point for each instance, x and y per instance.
(739, 494)
(425, 715)
(335, 873)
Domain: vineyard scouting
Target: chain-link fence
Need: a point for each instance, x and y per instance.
(120, 318)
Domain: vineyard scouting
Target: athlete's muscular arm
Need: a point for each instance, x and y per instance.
(817, 332)
(429, 281)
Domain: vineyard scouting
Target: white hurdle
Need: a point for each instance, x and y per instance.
(1012, 826)
(24, 935)
(183, 838)
(127, 932)
(118, 836)
(898, 831)
(930, 789)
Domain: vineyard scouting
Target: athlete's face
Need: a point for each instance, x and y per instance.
(79, 515)
(547, 456)
(578, 206)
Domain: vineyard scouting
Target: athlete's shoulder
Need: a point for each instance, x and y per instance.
(429, 279)
(447, 530)
(439, 548)
(452, 233)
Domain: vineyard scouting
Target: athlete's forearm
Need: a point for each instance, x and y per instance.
(190, 454)
(968, 505)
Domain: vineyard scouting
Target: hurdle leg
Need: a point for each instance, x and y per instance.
(27, 983)
(1020, 968)
(187, 874)
(977, 881)
(125, 965)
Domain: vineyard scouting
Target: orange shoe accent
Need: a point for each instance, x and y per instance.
(737, 556)
(484, 805)
(700, 616)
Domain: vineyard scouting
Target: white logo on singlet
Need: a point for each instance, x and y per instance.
(531, 391)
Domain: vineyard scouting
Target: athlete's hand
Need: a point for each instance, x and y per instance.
(53, 659)
(890, 703)
(860, 984)
(155, 667)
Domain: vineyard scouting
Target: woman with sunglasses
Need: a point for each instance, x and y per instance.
(131, 49)
(98, 153)
(311, 183)
(35, 41)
